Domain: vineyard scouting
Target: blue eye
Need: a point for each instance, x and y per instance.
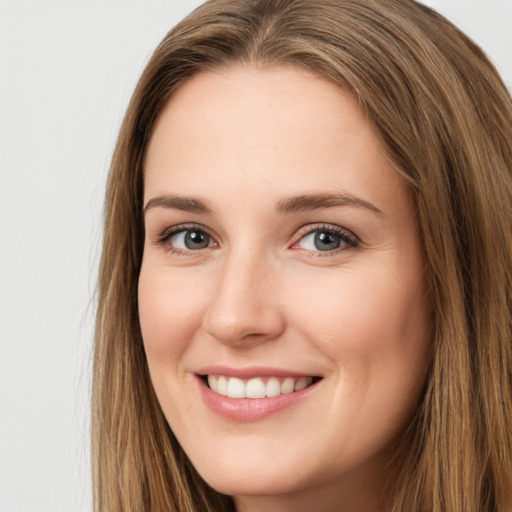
(325, 240)
(189, 240)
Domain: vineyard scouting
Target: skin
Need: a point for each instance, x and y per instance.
(261, 293)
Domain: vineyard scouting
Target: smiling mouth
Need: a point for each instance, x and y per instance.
(258, 387)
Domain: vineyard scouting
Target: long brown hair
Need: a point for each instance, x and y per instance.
(445, 121)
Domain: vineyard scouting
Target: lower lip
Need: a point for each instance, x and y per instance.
(250, 409)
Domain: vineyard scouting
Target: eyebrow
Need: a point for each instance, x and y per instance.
(310, 202)
(186, 204)
(293, 204)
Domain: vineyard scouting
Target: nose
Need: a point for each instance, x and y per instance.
(245, 307)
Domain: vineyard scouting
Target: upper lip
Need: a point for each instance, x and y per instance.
(252, 372)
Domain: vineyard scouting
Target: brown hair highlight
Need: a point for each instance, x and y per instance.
(445, 121)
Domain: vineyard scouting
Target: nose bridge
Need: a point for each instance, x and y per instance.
(244, 306)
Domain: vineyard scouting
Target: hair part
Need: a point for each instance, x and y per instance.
(445, 120)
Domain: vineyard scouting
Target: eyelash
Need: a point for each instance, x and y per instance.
(164, 237)
(346, 237)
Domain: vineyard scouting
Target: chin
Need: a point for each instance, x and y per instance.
(250, 483)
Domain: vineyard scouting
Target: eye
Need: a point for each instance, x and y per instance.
(182, 239)
(191, 239)
(326, 239)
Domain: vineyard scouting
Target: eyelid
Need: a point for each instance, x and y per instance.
(163, 237)
(348, 236)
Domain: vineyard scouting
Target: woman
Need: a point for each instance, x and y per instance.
(306, 284)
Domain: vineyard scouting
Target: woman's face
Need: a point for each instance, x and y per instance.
(281, 251)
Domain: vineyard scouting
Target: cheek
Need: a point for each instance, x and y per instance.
(373, 325)
(375, 329)
(169, 313)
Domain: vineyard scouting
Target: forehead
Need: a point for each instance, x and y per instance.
(253, 105)
(270, 130)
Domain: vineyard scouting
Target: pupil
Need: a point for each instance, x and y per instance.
(325, 241)
(196, 240)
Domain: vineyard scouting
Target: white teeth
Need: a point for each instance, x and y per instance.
(273, 387)
(222, 386)
(212, 382)
(287, 386)
(236, 388)
(256, 387)
(303, 383)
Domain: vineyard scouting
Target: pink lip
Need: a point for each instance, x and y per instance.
(249, 409)
(251, 372)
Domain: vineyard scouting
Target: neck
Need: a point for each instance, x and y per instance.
(349, 496)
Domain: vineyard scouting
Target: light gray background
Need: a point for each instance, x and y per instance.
(67, 70)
